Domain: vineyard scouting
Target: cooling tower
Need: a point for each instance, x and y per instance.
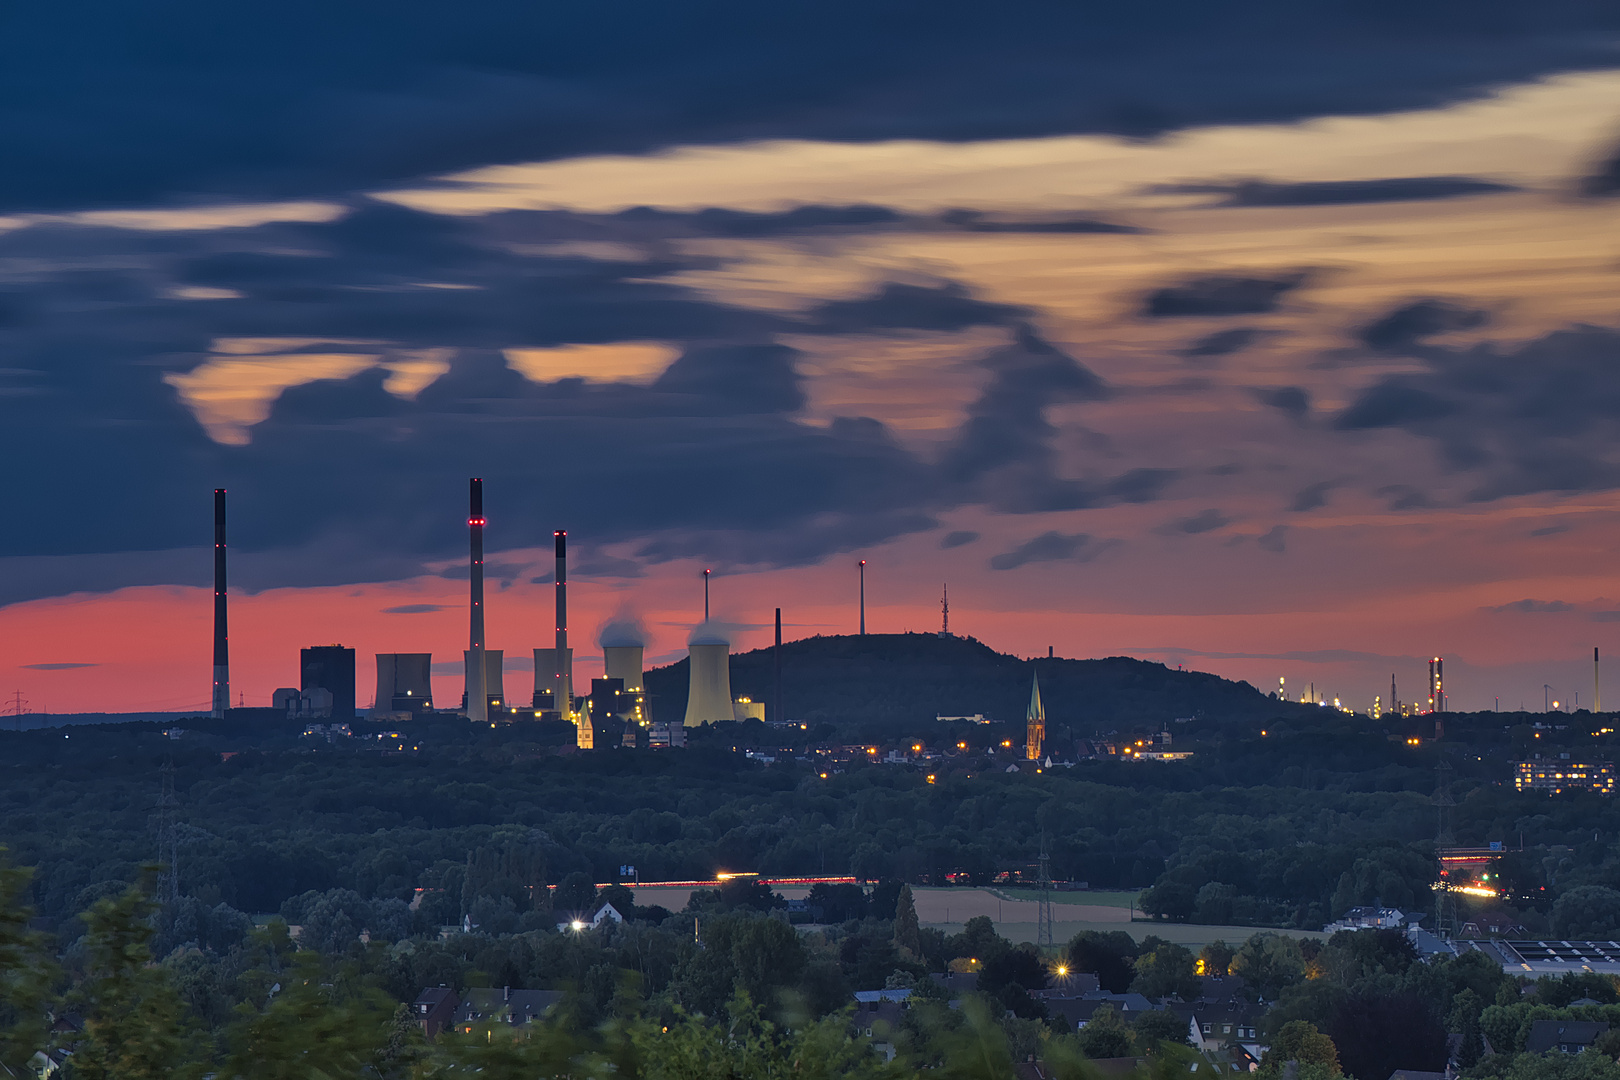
(494, 693)
(404, 682)
(624, 662)
(708, 701)
(548, 677)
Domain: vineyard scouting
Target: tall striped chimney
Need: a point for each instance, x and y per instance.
(563, 677)
(222, 653)
(476, 671)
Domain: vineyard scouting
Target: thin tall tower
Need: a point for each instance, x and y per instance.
(562, 682)
(1445, 906)
(944, 611)
(477, 673)
(1597, 684)
(776, 657)
(863, 598)
(706, 574)
(1394, 702)
(1043, 916)
(222, 654)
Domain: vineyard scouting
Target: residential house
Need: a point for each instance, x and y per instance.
(1565, 1036)
(1212, 1025)
(956, 983)
(1492, 923)
(605, 913)
(435, 1009)
(46, 1063)
(1419, 1074)
(1220, 988)
(1078, 1009)
(877, 1016)
(1233, 1059)
(872, 997)
(504, 1006)
(1370, 918)
(1075, 984)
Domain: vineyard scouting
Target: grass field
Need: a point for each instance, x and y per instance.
(1090, 899)
(1188, 934)
(1014, 911)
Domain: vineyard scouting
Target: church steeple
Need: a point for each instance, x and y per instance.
(1037, 722)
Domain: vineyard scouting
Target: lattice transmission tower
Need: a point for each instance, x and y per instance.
(1445, 903)
(1043, 917)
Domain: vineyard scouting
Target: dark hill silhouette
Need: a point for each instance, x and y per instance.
(900, 681)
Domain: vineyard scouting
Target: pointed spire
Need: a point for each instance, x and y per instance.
(1036, 722)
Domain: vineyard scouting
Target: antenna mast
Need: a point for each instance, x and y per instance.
(1043, 927)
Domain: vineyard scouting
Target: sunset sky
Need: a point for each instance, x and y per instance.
(1265, 339)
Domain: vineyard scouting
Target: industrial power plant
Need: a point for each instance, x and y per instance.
(616, 711)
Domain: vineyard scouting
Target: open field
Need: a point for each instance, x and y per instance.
(675, 899)
(1014, 912)
(1089, 898)
(944, 907)
(1188, 934)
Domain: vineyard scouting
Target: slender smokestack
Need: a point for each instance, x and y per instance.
(563, 681)
(477, 671)
(863, 598)
(777, 656)
(1597, 684)
(222, 653)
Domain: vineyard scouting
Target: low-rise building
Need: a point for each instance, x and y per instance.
(1554, 776)
(1565, 1036)
(1533, 959)
(1369, 918)
(486, 1006)
(1212, 1025)
(435, 1009)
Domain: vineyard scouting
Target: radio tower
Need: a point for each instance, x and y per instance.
(944, 611)
(1445, 907)
(1043, 917)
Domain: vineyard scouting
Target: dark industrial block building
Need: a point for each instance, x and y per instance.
(330, 668)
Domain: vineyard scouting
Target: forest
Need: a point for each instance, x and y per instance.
(1286, 824)
(158, 872)
(728, 988)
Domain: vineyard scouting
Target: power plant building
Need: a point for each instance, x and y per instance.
(553, 684)
(623, 662)
(314, 703)
(708, 698)
(493, 684)
(330, 668)
(404, 683)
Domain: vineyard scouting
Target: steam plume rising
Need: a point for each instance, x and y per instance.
(712, 632)
(623, 627)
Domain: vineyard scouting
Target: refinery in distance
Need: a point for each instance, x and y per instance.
(615, 711)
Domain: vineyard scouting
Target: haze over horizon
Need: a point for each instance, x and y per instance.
(1271, 342)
